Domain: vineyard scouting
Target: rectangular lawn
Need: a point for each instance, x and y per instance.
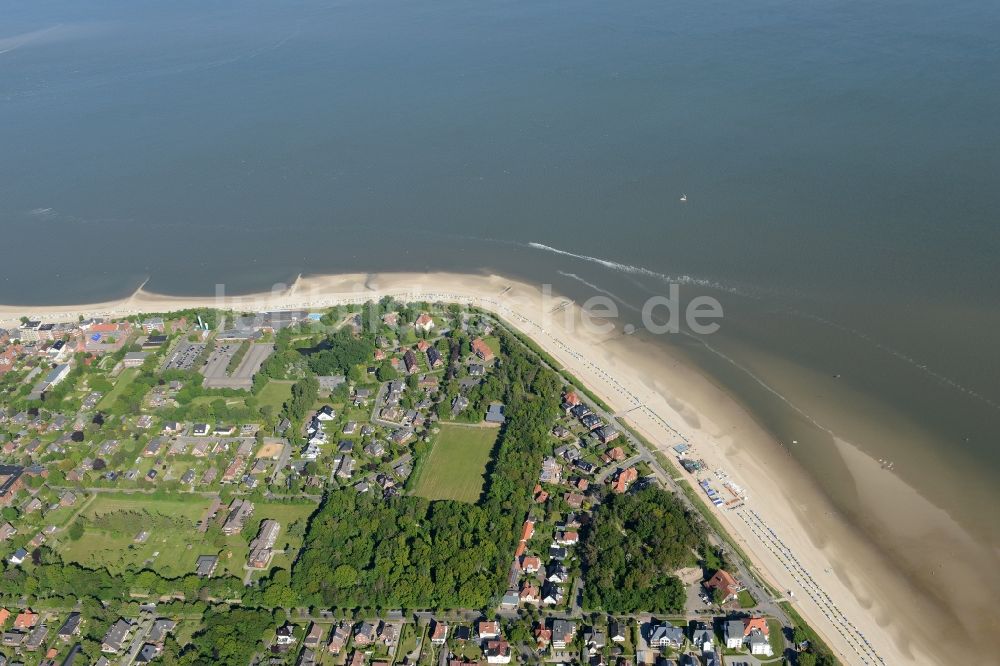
(456, 466)
(275, 393)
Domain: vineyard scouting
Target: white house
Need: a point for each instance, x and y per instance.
(284, 635)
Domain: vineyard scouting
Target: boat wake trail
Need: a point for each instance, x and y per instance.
(619, 299)
(640, 270)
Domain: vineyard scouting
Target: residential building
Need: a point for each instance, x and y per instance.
(114, 640)
(239, 512)
(488, 630)
(313, 636)
(495, 413)
(665, 635)
(410, 361)
(702, 637)
(726, 585)
(497, 652)
(482, 350)
(440, 633)
(563, 632)
(424, 323)
(70, 627)
(338, 639)
(285, 635)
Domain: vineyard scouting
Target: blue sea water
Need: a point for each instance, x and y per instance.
(840, 161)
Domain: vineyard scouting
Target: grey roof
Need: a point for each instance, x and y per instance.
(161, 627)
(54, 374)
(117, 633)
(70, 626)
(668, 633)
(147, 653)
(562, 628)
(734, 628)
(700, 636)
(495, 413)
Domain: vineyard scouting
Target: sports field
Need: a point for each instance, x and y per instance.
(456, 466)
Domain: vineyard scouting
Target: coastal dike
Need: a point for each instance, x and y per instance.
(868, 603)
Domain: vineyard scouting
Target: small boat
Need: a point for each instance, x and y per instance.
(684, 198)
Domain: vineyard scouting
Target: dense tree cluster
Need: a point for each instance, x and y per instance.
(631, 549)
(408, 552)
(227, 636)
(304, 394)
(340, 352)
(53, 582)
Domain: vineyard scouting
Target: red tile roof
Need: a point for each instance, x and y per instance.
(482, 349)
(751, 623)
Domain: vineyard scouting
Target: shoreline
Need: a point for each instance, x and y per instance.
(789, 530)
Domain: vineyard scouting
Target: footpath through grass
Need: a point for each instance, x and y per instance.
(455, 468)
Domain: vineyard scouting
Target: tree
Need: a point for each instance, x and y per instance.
(385, 372)
(630, 550)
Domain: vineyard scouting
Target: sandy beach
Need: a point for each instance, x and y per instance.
(865, 609)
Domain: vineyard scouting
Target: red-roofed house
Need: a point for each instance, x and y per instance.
(488, 629)
(526, 533)
(568, 538)
(482, 350)
(529, 594)
(26, 620)
(424, 322)
(723, 581)
(624, 479)
(440, 633)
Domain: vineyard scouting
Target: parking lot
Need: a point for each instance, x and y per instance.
(184, 356)
(242, 377)
(218, 360)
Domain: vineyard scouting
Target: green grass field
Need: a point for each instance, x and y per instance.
(174, 542)
(126, 377)
(456, 466)
(171, 523)
(275, 393)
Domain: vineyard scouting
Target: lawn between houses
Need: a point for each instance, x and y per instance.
(113, 521)
(455, 468)
(126, 377)
(275, 393)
